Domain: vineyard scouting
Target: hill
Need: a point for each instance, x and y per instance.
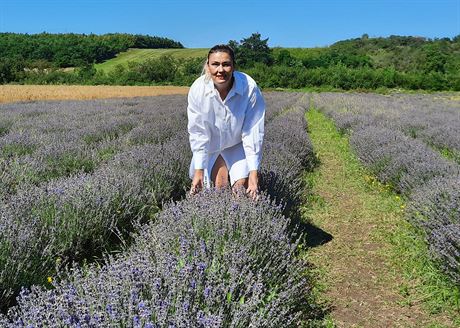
(45, 50)
(140, 55)
(405, 62)
(401, 53)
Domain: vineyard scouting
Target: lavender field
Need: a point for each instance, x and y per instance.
(79, 176)
(97, 227)
(412, 144)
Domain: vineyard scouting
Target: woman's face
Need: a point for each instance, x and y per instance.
(221, 68)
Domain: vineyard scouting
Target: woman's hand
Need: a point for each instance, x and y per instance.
(197, 182)
(253, 185)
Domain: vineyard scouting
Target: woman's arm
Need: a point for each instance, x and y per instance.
(253, 184)
(197, 181)
(199, 141)
(252, 137)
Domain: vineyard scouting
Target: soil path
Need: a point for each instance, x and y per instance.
(360, 282)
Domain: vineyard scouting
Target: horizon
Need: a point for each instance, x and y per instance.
(353, 38)
(203, 23)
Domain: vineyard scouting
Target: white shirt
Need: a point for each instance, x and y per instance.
(215, 125)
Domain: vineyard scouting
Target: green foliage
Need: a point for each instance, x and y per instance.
(140, 55)
(364, 63)
(344, 78)
(252, 50)
(405, 53)
(70, 50)
(10, 70)
(16, 150)
(86, 72)
(65, 165)
(434, 58)
(284, 58)
(158, 70)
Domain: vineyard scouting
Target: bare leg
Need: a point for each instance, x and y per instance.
(241, 184)
(219, 173)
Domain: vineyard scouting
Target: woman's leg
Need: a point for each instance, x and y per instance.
(219, 173)
(241, 184)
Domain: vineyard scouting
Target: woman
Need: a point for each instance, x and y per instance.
(226, 114)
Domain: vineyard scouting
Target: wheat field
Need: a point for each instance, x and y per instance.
(14, 93)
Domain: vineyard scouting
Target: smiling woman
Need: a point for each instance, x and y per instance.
(226, 114)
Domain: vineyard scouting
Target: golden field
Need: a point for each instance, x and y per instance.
(13, 93)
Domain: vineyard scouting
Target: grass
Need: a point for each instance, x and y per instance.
(450, 154)
(139, 55)
(375, 271)
(66, 165)
(108, 134)
(16, 150)
(423, 276)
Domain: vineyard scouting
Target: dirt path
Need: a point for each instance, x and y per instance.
(360, 282)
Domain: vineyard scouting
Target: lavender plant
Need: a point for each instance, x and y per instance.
(75, 215)
(294, 137)
(212, 260)
(287, 152)
(432, 118)
(49, 140)
(278, 102)
(444, 244)
(398, 160)
(436, 209)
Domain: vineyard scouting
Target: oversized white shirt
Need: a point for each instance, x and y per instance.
(215, 125)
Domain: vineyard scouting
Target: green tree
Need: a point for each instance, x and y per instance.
(285, 58)
(9, 70)
(252, 50)
(435, 58)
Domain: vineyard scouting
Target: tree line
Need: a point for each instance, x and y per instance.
(362, 63)
(52, 51)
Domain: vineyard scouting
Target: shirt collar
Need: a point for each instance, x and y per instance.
(237, 87)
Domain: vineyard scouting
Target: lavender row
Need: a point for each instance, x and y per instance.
(59, 219)
(41, 141)
(277, 102)
(209, 261)
(212, 260)
(76, 217)
(436, 208)
(287, 152)
(398, 160)
(49, 140)
(412, 168)
(432, 118)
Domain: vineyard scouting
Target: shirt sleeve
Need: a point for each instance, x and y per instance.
(253, 129)
(198, 136)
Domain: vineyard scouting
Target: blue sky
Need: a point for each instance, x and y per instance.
(203, 23)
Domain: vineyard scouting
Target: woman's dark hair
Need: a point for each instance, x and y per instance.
(223, 48)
